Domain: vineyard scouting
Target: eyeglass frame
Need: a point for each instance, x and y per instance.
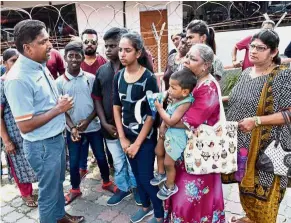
(258, 48)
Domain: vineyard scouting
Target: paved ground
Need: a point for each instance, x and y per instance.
(92, 204)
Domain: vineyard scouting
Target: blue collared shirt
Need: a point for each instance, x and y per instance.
(80, 88)
(30, 90)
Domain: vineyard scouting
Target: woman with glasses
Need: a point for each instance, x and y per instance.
(261, 92)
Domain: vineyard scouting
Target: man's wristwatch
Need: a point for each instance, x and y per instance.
(257, 120)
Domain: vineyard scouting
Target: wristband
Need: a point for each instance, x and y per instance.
(257, 120)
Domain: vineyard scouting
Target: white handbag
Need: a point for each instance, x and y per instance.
(212, 149)
(276, 159)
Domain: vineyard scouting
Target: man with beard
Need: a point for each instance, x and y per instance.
(92, 59)
(91, 64)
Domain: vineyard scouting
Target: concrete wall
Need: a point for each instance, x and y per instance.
(103, 15)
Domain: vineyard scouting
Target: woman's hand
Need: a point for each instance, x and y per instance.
(132, 150)
(10, 148)
(125, 143)
(247, 125)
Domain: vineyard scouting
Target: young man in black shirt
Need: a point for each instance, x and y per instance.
(102, 94)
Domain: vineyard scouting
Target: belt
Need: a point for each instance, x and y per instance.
(53, 137)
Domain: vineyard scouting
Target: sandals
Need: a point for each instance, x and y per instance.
(110, 186)
(72, 195)
(30, 201)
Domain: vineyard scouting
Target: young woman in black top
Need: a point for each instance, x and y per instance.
(134, 121)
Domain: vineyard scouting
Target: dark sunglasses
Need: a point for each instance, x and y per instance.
(87, 41)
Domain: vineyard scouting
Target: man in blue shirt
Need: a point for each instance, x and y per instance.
(39, 113)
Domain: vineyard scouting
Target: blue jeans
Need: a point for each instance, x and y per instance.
(47, 159)
(84, 157)
(95, 139)
(123, 176)
(143, 169)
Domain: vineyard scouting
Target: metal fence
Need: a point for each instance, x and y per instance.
(224, 16)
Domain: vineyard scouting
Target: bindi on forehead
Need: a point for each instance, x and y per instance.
(90, 36)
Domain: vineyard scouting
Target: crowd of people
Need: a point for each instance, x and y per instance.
(50, 105)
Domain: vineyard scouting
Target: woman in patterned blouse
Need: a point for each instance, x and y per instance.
(261, 93)
(19, 168)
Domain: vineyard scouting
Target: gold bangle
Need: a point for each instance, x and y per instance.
(257, 120)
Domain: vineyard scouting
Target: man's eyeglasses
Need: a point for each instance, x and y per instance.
(258, 48)
(87, 41)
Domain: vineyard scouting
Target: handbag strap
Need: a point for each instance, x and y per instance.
(222, 117)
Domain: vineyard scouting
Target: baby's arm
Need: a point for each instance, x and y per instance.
(176, 117)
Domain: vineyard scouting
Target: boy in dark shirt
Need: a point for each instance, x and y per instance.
(102, 94)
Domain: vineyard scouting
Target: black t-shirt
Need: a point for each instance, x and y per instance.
(172, 51)
(103, 91)
(132, 99)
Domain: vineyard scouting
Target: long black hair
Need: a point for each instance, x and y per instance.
(201, 27)
(138, 45)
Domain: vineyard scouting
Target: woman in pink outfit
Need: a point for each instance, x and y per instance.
(200, 197)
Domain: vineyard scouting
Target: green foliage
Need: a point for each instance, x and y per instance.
(229, 80)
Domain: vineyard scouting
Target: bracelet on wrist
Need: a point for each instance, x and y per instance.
(257, 120)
